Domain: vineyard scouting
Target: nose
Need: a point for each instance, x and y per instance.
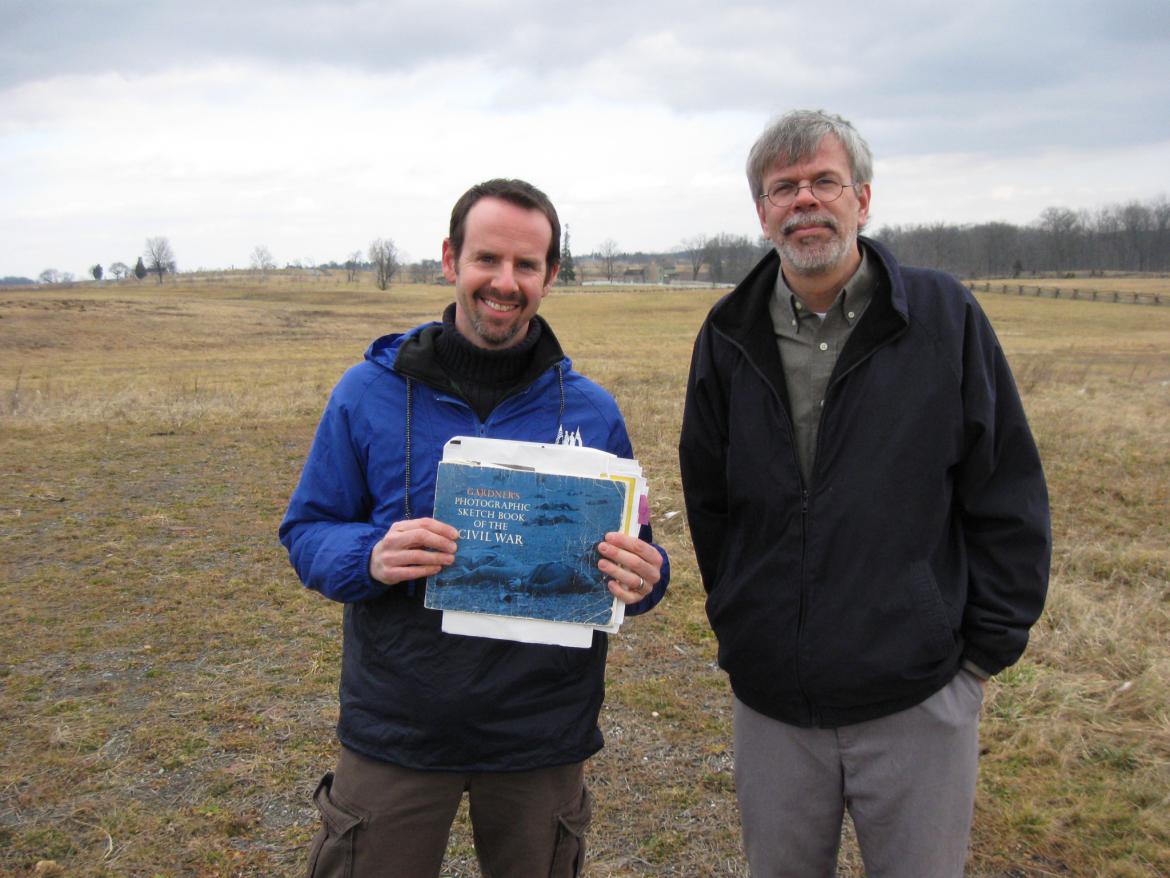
(504, 280)
(805, 197)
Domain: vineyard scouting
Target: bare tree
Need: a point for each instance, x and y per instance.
(160, 258)
(427, 271)
(384, 256)
(1160, 211)
(262, 260)
(1137, 224)
(1063, 228)
(352, 266)
(608, 252)
(49, 276)
(731, 257)
(696, 251)
(994, 249)
(119, 270)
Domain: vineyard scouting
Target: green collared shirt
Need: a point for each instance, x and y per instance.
(809, 346)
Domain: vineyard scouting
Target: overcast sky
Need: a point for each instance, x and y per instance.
(313, 127)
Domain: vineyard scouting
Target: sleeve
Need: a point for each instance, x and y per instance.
(326, 529)
(659, 591)
(1003, 504)
(702, 454)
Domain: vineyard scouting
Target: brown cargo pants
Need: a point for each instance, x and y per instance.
(382, 821)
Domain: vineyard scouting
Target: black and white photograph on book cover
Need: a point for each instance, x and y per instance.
(527, 544)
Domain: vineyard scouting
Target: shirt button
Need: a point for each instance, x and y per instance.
(824, 346)
(798, 306)
(851, 315)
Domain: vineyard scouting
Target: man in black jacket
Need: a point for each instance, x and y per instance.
(870, 519)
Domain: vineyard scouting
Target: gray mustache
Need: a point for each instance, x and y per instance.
(817, 220)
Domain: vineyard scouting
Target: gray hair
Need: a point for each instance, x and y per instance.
(796, 136)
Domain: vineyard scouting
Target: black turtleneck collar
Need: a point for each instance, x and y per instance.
(467, 364)
(441, 357)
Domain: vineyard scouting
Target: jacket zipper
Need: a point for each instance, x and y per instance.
(802, 606)
(814, 715)
(804, 503)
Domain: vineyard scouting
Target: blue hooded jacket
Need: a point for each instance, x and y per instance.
(410, 694)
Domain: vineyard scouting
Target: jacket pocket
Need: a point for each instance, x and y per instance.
(879, 641)
(331, 854)
(569, 854)
(932, 611)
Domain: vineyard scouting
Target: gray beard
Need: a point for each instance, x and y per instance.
(815, 258)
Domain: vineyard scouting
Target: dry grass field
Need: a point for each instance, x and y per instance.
(168, 689)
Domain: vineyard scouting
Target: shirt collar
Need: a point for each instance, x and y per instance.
(850, 302)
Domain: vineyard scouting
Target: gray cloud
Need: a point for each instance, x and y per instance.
(996, 74)
(238, 98)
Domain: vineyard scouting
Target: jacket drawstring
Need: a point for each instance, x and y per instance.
(561, 385)
(409, 408)
(410, 586)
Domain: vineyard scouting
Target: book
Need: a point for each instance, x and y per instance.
(530, 518)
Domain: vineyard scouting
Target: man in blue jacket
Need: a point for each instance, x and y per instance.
(870, 520)
(427, 716)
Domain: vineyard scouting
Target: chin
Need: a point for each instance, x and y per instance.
(496, 337)
(820, 259)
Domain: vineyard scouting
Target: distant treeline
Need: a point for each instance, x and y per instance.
(1132, 237)
(1129, 237)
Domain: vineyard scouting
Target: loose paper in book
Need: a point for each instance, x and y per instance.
(530, 517)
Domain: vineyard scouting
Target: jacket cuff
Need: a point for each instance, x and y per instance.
(969, 665)
(656, 594)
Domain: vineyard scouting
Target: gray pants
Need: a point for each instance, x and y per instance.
(383, 821)
(908, 780)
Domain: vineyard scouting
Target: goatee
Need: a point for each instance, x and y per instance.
(814, 258)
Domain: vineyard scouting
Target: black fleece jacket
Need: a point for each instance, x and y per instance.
(924, 538)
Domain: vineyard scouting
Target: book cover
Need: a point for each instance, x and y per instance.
(527, 543)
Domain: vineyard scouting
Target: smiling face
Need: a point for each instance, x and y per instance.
(815, 238)
(501, 272)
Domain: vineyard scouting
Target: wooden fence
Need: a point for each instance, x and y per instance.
(1088, 295)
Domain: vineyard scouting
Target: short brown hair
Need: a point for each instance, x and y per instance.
(516, 192)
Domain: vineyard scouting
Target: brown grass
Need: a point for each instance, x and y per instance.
(168, 689)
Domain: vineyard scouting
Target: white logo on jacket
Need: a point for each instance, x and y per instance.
(567, 437)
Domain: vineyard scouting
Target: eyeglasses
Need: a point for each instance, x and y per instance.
(825, 189)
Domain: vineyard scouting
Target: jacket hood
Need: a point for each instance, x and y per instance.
(384, 350)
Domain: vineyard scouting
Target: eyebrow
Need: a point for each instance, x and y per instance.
(816, 175)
